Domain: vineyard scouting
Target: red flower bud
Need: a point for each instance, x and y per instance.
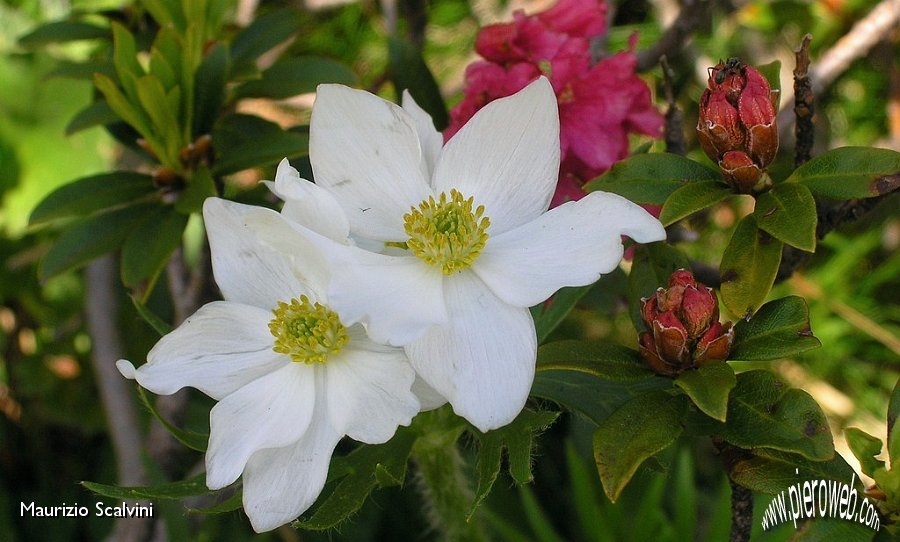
(683, 327)
(737, 115)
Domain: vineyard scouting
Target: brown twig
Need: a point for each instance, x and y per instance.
(804, 104)
(835, 61)
(102, 309)
(674, 127)
(693, 14)
(741, 512)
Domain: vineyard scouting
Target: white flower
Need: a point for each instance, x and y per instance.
(479, 244)
(290, 375)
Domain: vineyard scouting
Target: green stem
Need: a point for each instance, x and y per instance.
(444, 486)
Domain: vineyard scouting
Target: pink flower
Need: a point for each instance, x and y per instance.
(598, 105)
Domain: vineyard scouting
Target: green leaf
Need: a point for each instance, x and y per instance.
(96, 114)
(771, 472)
(209, 85)
(586, 394)
(293, 76)
(89, 239)
(708, 387)
(865, 447)
(264, 33)
(692, 197)
(788, 212)
(764, 413)
(81, 70)
(552, 312)
(126, 111)
(518, 440)
(125, 60)
(850, 173)
(358, 479)
(158, 324)
(894, 436)
(164, 119)
(651, 178)
(192, 439)
(232, 503)
(89, 195)
(748, 268)
(779, 329)
(409, 71)
(61, 32)
(191, 487)
(246, 141)
(601, 360)
(200, 186)
(149, 245)
(638, 430)
(651, 267)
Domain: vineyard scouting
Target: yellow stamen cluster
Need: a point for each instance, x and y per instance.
(307, 332)
(446, 232)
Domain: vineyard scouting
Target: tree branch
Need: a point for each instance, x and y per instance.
(804, 105)
(693, 13)
(674, 126)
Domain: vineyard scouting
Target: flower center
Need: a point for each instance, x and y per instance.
(307, 332)
(446, 232)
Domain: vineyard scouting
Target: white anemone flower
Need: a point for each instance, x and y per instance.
(468, 241)
(290, 373)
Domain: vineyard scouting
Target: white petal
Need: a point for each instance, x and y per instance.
(430, 140)
(218, 349)
(369, 391)
(270, 412)
(297, 245)
(309, 205)
(507, 157)
(282, 483)
(396, 297)
(483, 359)
(365, 150)
(245, 270)
(429, 398)
(570, 245)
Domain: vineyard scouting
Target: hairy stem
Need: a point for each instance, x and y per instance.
(442, 482)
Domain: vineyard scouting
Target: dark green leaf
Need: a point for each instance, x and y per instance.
(651, 267)
(89, 195)
(90, 238)
(552, 312)
(865, 447)
(149, 245)
(638, 430)
(894, 436)
(779, 329)
(209, 89)
(200, 186)
(81, 70)
(293, 76)
(192, 439)
(409, 71)
(518, 440)
(771, 472)
(748, 267)
(591, 396)
(829, 529)
(851, 172)
(692, 197)
(264, 33)
(246, 141)
(708, 387)
(62, 31)
(232, 503)
(764, 413)
(191, 487)
(96, 114)
(358, 479)
(788, 212)
(651, 178)
(602, 360)
(158, 324)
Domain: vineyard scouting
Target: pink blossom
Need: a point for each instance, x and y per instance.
(599, 105)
